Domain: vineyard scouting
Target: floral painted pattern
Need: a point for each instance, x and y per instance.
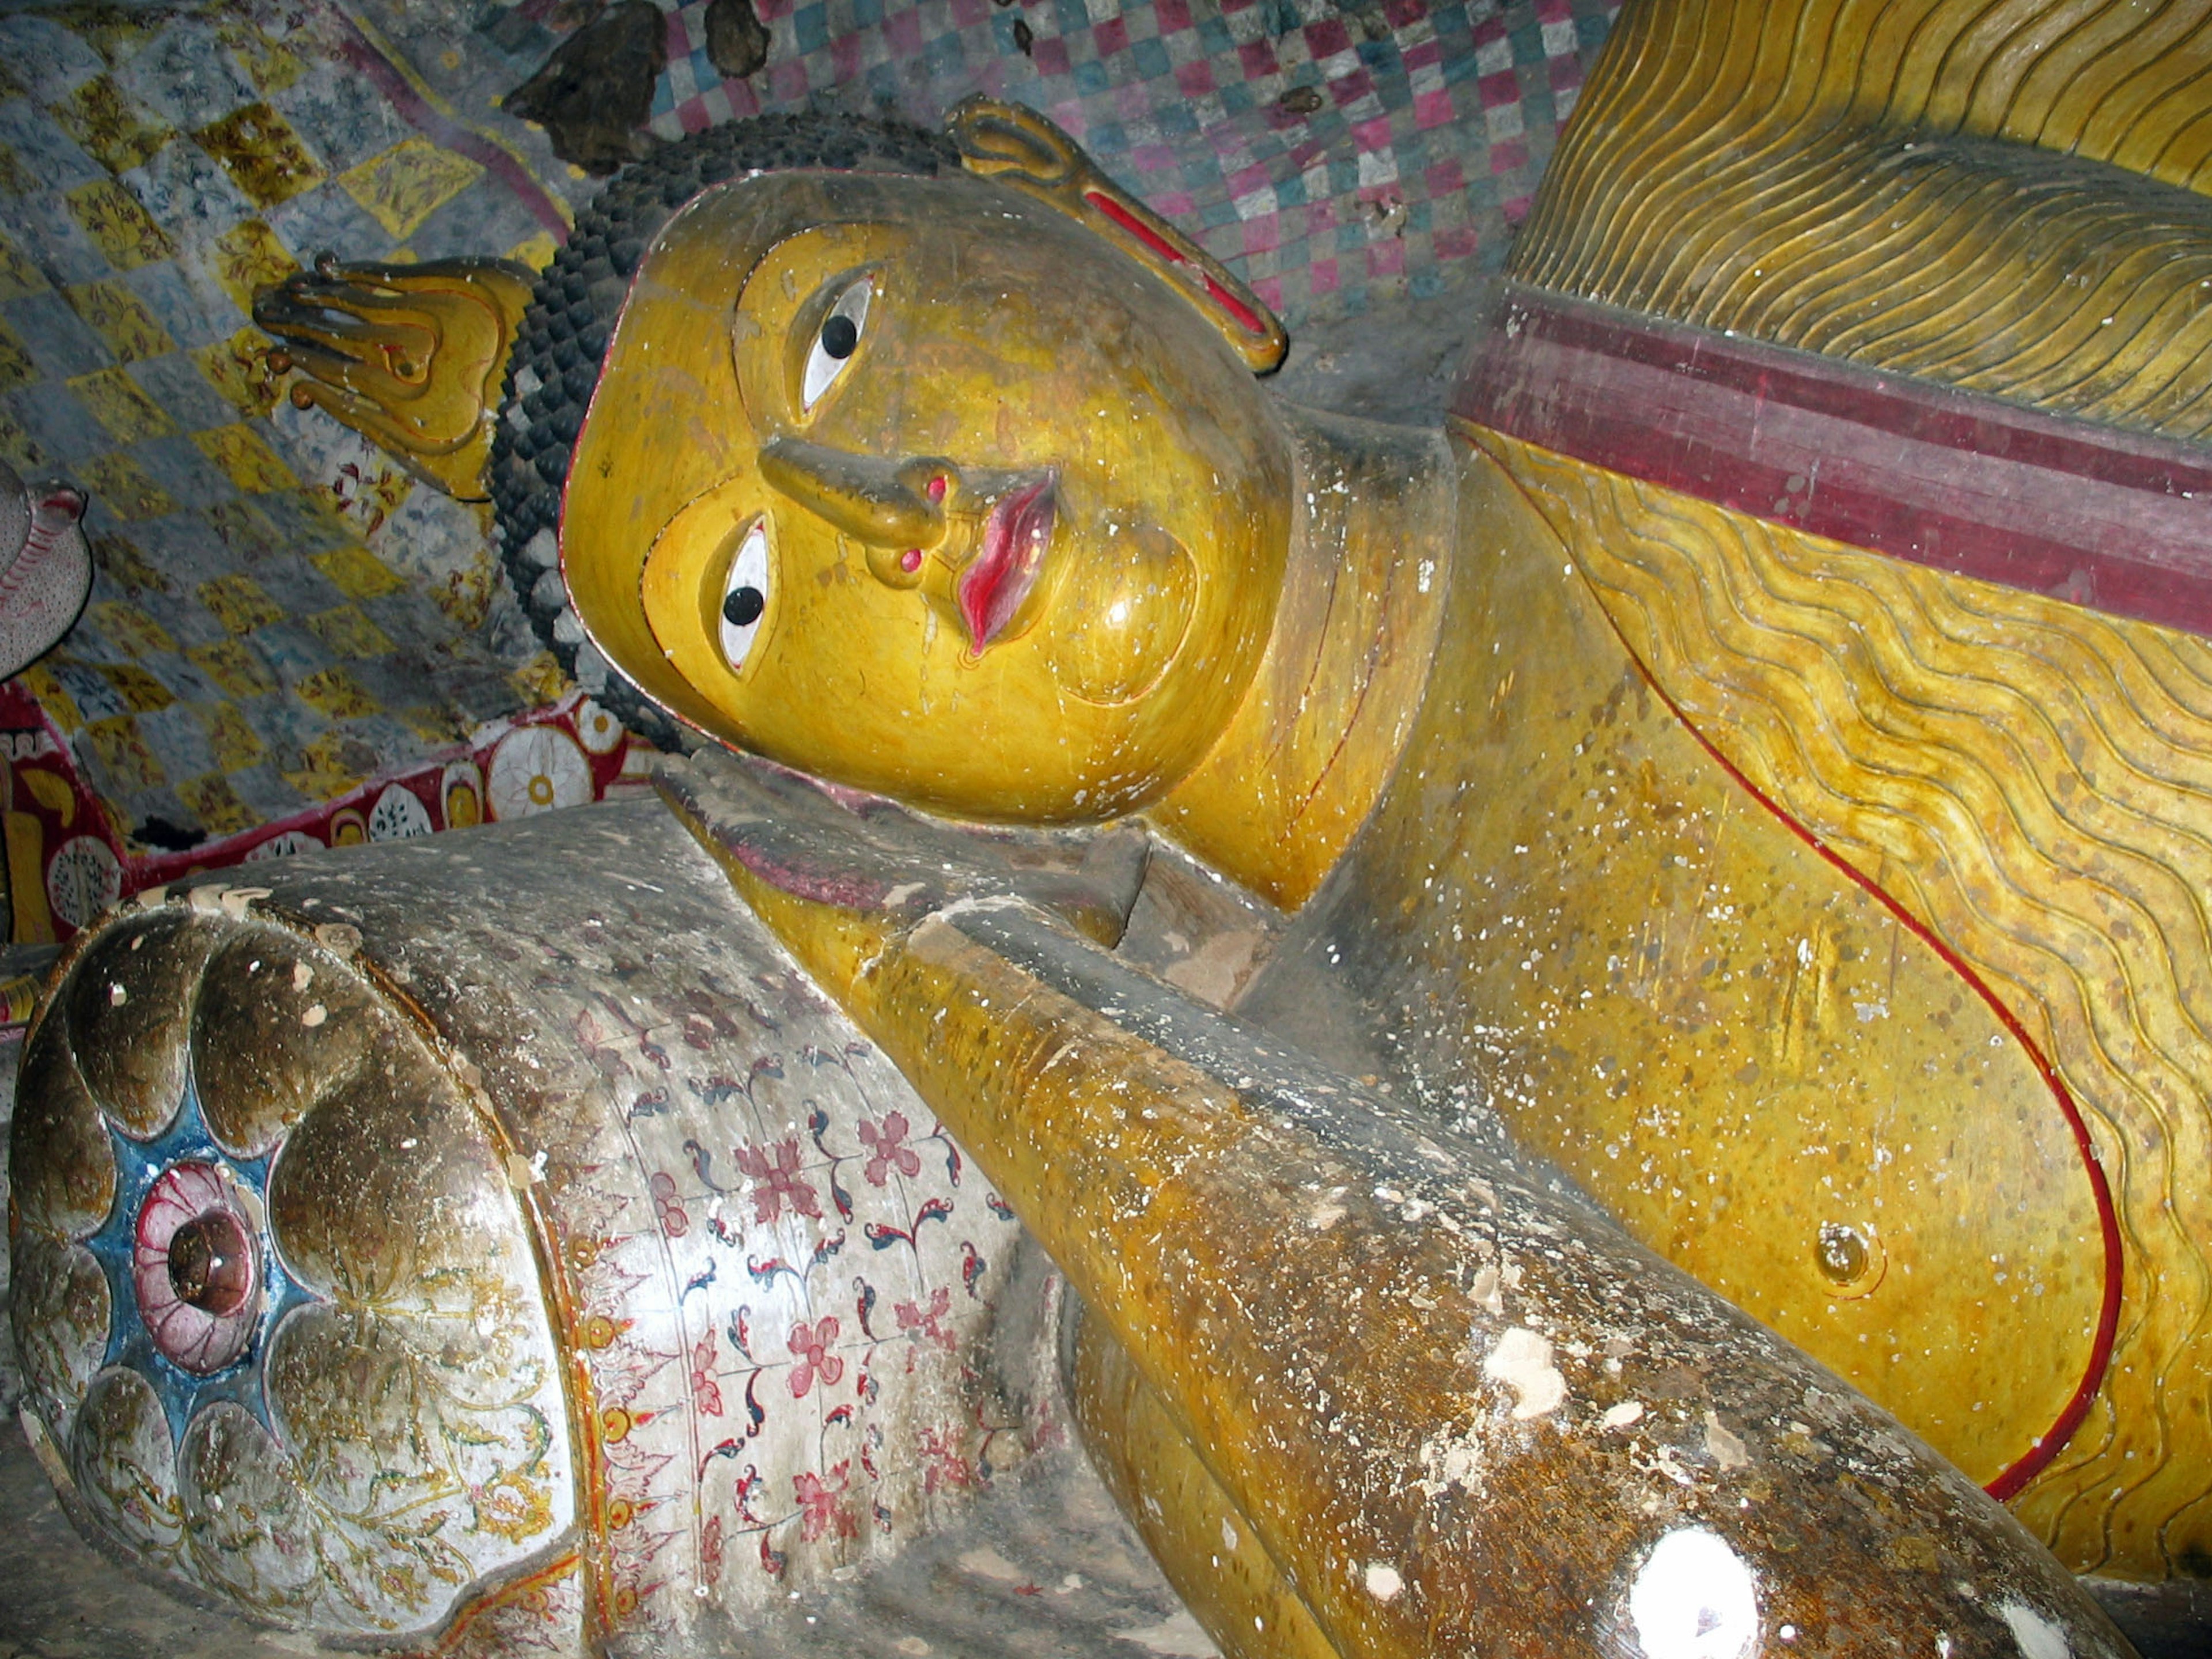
(568, 753)
(778, 1285)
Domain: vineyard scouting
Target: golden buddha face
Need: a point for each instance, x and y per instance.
(918, 486)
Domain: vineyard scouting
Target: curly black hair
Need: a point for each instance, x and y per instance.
(554, 365)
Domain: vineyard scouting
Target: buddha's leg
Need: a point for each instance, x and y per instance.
(1206, 1545)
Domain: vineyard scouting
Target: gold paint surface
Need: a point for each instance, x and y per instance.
(1204, 1543)
(1349, 1372)
(2034, 782)
(1828, 176)
(1014, 143)
(1299, 767)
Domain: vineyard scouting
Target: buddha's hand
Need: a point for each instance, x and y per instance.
(409, 357)
(817, 843)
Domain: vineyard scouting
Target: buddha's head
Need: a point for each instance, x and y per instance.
(960, 489)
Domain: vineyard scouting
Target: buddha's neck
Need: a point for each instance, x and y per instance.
(1306, 757)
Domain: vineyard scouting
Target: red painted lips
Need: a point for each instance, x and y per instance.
(1015, 537)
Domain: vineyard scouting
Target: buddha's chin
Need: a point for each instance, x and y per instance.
(1115, 629)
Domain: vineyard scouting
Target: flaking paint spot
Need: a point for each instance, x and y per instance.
(1180, 1637)
(1523, 1362)
(1383, 1583)
(2036, 1636)
(1724, 1448)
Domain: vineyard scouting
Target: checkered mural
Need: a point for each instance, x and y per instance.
(281, 615)
(1328, 152)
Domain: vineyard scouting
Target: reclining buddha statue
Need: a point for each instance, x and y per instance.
(1735, 799)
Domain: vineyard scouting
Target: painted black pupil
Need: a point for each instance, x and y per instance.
(743, 606)
(839, 335)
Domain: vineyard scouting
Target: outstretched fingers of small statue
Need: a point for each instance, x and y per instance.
(454, 277)
(399, 431)
(352, 324)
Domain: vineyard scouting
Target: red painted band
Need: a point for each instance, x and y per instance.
(417, 111)
(1924, 412)
(1247, 318)
(2110, 520)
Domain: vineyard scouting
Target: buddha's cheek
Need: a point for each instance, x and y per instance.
(1117, 628)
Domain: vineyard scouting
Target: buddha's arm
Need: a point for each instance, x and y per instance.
(1454, 1408)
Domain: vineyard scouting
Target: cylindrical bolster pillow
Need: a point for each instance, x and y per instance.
(497, 1233)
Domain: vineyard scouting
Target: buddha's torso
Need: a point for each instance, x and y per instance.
(1567, 909)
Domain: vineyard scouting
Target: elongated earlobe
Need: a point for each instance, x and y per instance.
(1016, 144)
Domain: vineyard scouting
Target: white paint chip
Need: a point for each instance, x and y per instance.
(1724, 1448)
(1179, 1637)
(1694, 1599)
(315, 1015)
(986, 1563)
(2036, 1636)
(1621, 1416)
(1523, 1361)
(1383, 1583)
(1228, 1534)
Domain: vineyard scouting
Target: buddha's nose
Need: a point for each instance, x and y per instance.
(885, 504)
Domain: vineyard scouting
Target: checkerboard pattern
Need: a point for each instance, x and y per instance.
(279, 612)
(1329, 151)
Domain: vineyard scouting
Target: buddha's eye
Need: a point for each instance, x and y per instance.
(744, 595)
(835, 344)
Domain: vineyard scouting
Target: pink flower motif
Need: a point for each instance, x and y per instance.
(943, 1466)
(705, 1390)
(673, 1221)
(811, 1345)
(885, 1151)
(821, 1506)
(710, 1548)
(192, 1239)
(774, 1171)
(926, 1327)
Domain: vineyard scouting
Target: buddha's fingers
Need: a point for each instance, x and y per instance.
(1461, 1412)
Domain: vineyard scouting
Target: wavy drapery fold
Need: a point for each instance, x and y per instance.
(2032, 780)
